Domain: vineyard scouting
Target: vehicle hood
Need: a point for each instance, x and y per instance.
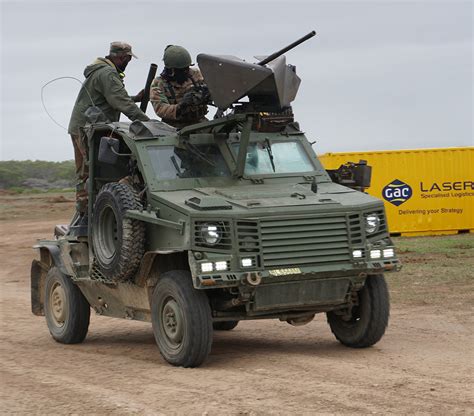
(264, 197)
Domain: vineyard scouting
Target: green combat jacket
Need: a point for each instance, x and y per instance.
(105, 87)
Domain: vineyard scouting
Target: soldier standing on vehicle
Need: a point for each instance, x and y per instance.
(103, 94)
(179, 95)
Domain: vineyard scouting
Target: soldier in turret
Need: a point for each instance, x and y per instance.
(179, 95)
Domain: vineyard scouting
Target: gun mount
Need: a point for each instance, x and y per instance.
(271, 85)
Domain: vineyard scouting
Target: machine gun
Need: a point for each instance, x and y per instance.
(286, 48)
(270, 84)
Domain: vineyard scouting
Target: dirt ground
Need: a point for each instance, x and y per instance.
(424, 364)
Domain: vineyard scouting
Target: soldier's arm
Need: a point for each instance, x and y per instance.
(197, 76)
(160, 102)
(118, 98)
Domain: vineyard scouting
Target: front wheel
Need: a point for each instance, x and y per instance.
(181, 318)
(66, 309)
(367, 320)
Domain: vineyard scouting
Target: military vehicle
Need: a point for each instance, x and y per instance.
(226, 220)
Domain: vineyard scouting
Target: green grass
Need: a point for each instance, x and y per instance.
(22, 190)
(436, 244)
(437, 271)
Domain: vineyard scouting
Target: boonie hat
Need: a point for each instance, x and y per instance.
(121, 48)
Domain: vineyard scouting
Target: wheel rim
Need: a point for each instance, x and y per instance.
(108, 234)
(354, 317)
(58, 305)
(172, 323)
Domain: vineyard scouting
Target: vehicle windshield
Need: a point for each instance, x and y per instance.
(278, 157)
(206, 160)
(195, 161)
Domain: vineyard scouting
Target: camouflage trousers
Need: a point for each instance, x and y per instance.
(82, 173)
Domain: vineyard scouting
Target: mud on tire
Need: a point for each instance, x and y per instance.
(118, 242)
(368, 320)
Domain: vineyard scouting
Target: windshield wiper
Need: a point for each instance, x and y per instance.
(176, 166)
(270, 153)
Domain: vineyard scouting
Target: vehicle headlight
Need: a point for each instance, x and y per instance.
(211, 234)
(372, 222)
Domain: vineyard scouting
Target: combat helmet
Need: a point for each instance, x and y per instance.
(176, 57)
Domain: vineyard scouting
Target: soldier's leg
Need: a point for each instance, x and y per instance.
(81, 174)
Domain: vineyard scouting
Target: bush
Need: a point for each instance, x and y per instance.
(37, 174)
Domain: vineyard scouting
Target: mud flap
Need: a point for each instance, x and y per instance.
(38, 275)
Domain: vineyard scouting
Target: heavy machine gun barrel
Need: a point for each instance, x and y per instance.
(149, 80)
(286, 49)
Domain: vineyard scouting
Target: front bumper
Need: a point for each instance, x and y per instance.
(261, 276)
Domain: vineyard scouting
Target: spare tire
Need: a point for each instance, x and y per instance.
(118, 243)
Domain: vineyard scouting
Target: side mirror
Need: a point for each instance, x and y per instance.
(362, 174)
(353, 175)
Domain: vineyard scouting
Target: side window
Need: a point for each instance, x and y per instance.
(162, 161)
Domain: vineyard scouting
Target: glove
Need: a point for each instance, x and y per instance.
(182, 109)
(205, 94)
(189, 99)
(137, 98)
(197, 96)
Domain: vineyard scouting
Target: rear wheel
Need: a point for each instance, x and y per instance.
(365, 323)
(224, 325)
(66, 309)
(181, 318)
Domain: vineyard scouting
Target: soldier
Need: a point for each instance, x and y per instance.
(179, 95)
(103, 93)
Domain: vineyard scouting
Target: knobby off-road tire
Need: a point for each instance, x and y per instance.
(224, 325)
(118, 242)
(369, 319)
(66, 309)
(181, 318)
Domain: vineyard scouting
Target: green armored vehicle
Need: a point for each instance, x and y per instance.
(222, 221)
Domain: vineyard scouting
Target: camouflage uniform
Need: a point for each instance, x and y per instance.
(165, 95)
(104, 88)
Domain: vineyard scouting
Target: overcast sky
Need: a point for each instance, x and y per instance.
(378, 75)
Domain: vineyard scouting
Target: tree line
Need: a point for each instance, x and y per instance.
(36, 174)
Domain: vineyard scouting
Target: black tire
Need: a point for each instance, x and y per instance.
(369, 319)
(181, 318)
(118, 242)
(224, 325)
(66, 309)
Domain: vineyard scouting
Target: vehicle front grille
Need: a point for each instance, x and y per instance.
(248, 236)
(355, 229)
(304, 241)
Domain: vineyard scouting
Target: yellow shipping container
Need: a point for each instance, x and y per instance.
(425, 191)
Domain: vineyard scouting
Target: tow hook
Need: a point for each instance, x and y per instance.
(254, 278)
